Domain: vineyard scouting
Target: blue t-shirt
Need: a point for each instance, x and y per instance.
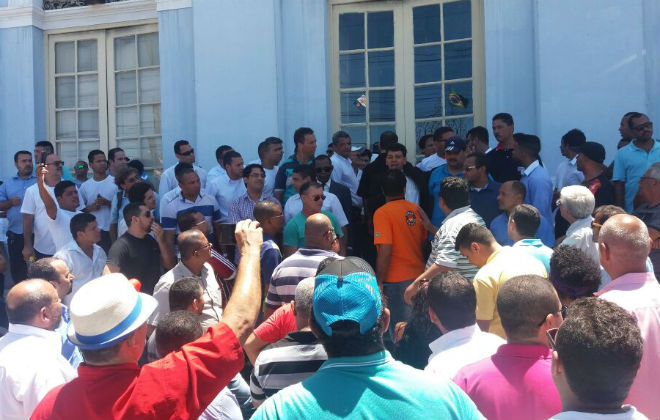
(499, 229)
(630, 164)
(536, 249)
(369, 387)
(438, 174)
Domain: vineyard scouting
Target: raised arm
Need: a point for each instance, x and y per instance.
(49, 203)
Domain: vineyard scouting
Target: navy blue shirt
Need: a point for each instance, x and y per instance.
(15, 187)
(484, 201)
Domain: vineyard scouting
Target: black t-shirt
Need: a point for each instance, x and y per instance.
(502, 166)
(137, 258)
(602, 189)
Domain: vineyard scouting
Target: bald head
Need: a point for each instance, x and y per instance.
(189, 242)
(317, 227)
(624, 242)
(27, 300)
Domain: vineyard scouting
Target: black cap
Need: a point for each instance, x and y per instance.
(594, 151)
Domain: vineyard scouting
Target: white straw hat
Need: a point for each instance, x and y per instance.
(107, 309)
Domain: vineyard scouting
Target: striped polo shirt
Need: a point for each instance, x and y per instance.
(442, 248)
(285, 362)
(204, 203)
(286, 276)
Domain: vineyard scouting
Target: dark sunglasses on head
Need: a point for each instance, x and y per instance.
(324, 169)
(188, 153)
(319, 197)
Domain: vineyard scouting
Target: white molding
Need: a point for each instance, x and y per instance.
(84, 16)
(162, 5)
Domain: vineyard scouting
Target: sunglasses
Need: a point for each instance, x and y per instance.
(188, 153)
(79, 166)
(319, 197)
(325, 169)
(551, 335)
(469, 168)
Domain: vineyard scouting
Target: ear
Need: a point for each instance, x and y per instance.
(557, 365)
(293, 307)
(553, 320)
(603, 251)
(386, 319)
(475, 247)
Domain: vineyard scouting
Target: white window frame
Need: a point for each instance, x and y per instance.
(104, 35)
(404, 63)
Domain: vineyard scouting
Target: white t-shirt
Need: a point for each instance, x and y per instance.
(107, 189)
(60, 228)
(32, 204)
(431, 162)
(630, 414)
(269, 183)
(412, 192)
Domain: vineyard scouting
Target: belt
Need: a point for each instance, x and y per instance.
(11, 234)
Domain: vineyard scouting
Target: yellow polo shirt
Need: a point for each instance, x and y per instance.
(502, 265)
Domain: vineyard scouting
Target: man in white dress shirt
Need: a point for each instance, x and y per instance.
(184, 153)
(270, 152)
(342, 172)
(30, 359)
(440, 136)
(576, 204)
(229, 188)
(218, 170)
(452, 306)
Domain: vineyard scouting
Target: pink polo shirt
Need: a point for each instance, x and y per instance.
(514, 383)
(639, 293)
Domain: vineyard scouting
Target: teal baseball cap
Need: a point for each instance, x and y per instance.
(346, 290)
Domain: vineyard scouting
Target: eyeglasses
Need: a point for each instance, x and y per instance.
(200, 222)
(204, 247)
(57, 163)
(469, 168)
(257, 175)
(319, 197)
(643, 126)
(278, 216)
(564, 311)
(188, 153)
(324, 169)
(551, 335)
(558, 203)
(148, 214)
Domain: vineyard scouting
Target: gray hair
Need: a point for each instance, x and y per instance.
(654, 171)
(578, 201)
(304, 297)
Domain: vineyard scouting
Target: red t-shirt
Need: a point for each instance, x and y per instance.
(179, 386)
(278, 325)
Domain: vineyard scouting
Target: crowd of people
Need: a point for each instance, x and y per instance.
(478, 283)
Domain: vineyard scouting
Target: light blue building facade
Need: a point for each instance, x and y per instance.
(141, 74)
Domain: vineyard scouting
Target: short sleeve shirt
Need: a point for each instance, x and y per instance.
(137, 258)
(278, 325)
(204, 203)
(107, 189)
(435, 181)
(284, 174)
(60, 228)
(294, 231)
(32, 204)
(630, 164)
(398, 223)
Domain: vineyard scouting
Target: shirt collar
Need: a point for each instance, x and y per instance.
(536, 243)
(528, 170)
(573, 161)
(182, 269)
(496, 253)
(447, 339)
(527, 351)
(374, 359)
(579, 224)
(457, 211)
(29, 330)
(633, 279)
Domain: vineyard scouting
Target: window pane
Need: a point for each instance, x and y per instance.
(426, 24)
(457, 20)
(65, 92)
(426, 127)
(350, 112)
(380, 30)
(87, 55)
(460, 125)
(376, 130)
(127, 122)
(458, 98)
(428, 61)
(125, 53)
(351, 70)
(151, 154)
(351, 31)
(125, 90)
(149, 85)
(358, 134)
(148, 49)
(428, 101)
(68, 152)
(381, 68)
(64, 57)
(381, 105)
(88, 124)
(149, 119)
(88, 91)
(458, 60)
(131, 147)
(65, 125)
(84, 147)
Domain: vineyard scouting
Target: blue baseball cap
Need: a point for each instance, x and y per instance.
(346, 290)
(455, 144)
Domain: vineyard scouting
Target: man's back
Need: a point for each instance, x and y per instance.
(371, 386)
(137, 258)
(514, 383)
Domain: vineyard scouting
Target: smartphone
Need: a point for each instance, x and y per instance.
(44, 155)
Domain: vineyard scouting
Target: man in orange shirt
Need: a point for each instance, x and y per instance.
(399, 236)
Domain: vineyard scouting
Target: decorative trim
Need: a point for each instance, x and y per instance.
(84, 16)
(162, 5)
